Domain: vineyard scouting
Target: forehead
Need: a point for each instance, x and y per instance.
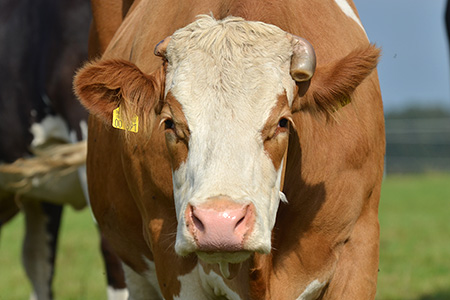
(232, 66)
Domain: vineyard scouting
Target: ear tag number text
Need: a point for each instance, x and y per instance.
(120, 124)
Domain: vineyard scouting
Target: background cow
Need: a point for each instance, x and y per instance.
(231, 121)
(42, 43)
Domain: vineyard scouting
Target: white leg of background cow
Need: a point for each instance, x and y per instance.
(140, 287)
(42, 223)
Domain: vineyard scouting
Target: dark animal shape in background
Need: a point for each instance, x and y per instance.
(42, 128)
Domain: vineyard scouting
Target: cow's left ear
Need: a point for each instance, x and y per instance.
(332, 85)
(103, 85)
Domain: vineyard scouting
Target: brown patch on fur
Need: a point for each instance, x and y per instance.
(106, 19)
(275, 137)
(102, 86)
(333, 84)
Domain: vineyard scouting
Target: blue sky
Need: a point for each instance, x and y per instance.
(415, 65)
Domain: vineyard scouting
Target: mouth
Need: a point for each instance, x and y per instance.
(229, 262)
(224, 257)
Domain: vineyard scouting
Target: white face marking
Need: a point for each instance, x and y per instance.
(347, 9)
(198, 285)
(227, 92)
(312, 291)
(51, 127)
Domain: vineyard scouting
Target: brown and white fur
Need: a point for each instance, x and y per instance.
(225, 129)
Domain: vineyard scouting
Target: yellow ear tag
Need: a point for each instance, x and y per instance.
(120, 124)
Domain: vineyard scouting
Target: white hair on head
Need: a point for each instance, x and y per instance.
(208, 34)
(228, 76)
(231, 43)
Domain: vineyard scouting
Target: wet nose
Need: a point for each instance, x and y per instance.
(220, 224)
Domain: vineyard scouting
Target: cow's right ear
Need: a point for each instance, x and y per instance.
(103, 85)
(334, 83)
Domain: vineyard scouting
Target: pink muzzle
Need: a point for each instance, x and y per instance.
(220, 224)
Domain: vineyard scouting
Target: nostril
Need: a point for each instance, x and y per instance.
(239, 222)
(243, 219)
(197, 222)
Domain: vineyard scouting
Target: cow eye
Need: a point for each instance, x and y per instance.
(169, 124)
(283, 123)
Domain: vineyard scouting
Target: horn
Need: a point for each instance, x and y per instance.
(303, 61)
(160, 49)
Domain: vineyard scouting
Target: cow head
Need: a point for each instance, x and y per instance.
(225, 99)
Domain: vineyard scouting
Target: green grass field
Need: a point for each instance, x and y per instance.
(415, 247)
(415, 238)
(79, 274)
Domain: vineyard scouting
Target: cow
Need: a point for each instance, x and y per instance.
(244, 159)
(42, 129)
